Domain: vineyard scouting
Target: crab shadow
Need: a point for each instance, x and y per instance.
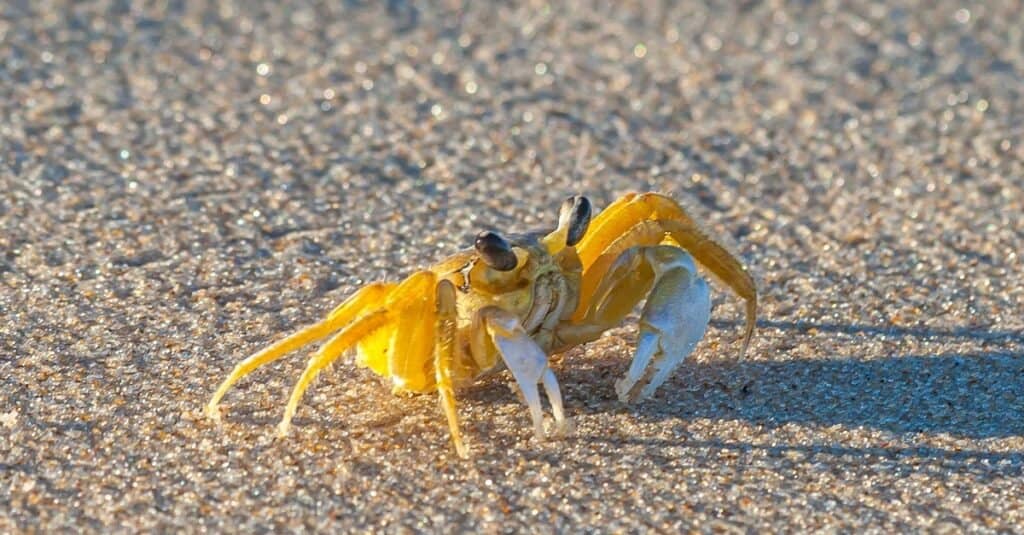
(974, 395)
(971, 395)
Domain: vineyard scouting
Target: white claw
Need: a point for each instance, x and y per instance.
(529, 365)
(673, 320)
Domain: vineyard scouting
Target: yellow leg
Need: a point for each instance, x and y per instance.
(674, 317)
(397, 300)
(411, 353)
(445, 358)
(364, 298)
(723, 265)
(608, 226)
(651, 219)
(367, 296)
(595, 273)
(327, 354)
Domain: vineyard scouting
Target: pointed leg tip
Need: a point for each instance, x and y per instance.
(212, 412)
(743, 349)
(624, 390)
(459, 446)
(539, 435)
(633, 392)
(565, 428)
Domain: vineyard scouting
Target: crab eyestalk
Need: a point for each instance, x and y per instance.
(575, 218)
(495, 251)
(573, 222)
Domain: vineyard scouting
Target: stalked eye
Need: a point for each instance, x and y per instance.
(575, 216)
(495, 251)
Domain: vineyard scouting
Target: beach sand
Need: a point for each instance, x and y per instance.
(180, 186)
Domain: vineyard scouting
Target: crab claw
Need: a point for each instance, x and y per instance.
(673, 320)
(529, 366)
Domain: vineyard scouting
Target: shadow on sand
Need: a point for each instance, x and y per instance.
(973, 396)
(969, 395)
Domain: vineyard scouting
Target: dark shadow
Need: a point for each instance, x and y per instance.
(974, 396)
(963, 333)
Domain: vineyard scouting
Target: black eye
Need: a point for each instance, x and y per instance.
(495, 251)
(575, 214)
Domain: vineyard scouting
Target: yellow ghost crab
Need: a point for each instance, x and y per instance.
(511, 302)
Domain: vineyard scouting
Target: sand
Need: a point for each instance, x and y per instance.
(181, 185)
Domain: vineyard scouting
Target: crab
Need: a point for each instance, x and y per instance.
(513, 301)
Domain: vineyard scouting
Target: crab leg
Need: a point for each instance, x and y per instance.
(445, 358)
(673, 320)
(528, 364)
(341, 315)
(652, 219)
(327, 354)
(722, 265)
(626, 280)
(405, 294)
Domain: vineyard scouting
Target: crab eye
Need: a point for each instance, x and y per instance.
(574, 214)
(495, 251)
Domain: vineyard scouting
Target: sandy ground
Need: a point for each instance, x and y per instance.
(180, 185)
